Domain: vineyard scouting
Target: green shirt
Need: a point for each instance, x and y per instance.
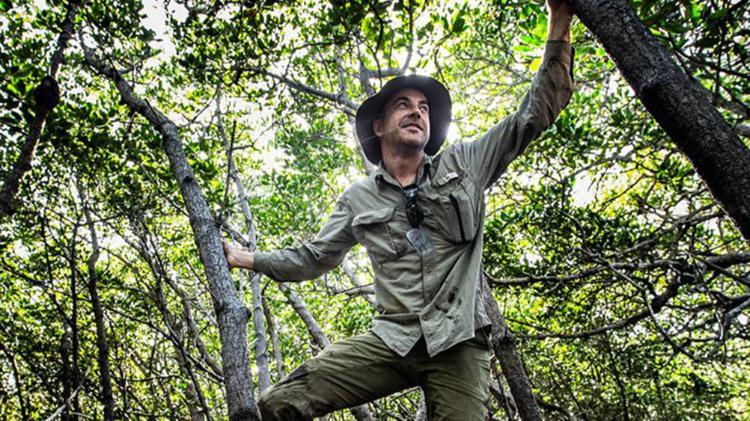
(439, 295)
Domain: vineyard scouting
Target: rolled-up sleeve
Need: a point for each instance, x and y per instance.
(312, 259)
(551, 89)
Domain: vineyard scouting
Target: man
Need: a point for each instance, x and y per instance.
(420, 217)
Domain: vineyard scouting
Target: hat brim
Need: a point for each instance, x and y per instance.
(438, 99)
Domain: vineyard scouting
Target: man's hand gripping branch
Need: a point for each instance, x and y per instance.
(238, 257)
(560, 16)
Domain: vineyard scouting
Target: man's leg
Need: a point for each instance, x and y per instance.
(346, 374)
(456, 381)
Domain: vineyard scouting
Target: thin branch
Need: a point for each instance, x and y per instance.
(348, 106)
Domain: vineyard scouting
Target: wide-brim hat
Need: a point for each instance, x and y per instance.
(438, 99)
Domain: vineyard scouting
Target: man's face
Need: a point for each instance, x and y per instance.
(405, 125)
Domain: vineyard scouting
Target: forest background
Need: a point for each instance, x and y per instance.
(626, 284)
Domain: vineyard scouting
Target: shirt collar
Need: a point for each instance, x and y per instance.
(382, 176)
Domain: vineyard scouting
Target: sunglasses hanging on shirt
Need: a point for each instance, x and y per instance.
(414, 214)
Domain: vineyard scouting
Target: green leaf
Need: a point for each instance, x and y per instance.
(12, 88)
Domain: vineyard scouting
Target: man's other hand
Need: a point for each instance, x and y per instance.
(560, 16)
(559, 7)
(238, 257)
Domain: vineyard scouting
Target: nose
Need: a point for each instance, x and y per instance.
(415, 110)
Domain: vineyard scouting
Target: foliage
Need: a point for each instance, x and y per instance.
(598, 219)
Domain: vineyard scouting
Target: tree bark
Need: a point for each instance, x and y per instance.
(232, 316)
(685, 114)
(260, 346)
(504, 347)
(42, 111)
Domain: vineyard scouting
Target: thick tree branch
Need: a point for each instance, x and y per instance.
(687, 116)
(366, 164)
(47, 97)
(504, 346)
(231, 313)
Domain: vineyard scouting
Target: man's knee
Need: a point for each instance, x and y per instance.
(266, 403)
(280, 403)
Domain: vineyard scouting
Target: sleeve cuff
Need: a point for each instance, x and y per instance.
(261, 262)
(561, 52)
(556, 50)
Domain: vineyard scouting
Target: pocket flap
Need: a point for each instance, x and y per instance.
(372, 217)
(447, 178)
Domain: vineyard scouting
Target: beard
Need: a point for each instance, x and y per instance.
(406, 145)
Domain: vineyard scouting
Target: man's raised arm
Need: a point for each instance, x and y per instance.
(550, 92)
(308, 261)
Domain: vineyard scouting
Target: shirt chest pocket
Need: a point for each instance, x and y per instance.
(380, 233)
(454, 203)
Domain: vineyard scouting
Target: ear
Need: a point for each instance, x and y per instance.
(377, 127)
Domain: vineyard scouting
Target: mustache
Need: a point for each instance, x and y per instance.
(412, 123)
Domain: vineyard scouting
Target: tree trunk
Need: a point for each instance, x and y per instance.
(687, 116)
(66, 376)
(273, 333)
(231, 314)
(22, 402)
(320, 338)
(75, 339)
(101, 331)
(42, 110)
(510, 362)
(260, 346)
(69, 342)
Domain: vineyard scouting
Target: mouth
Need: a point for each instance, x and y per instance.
(413, 126)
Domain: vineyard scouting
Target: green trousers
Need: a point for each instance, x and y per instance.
(362, 368)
